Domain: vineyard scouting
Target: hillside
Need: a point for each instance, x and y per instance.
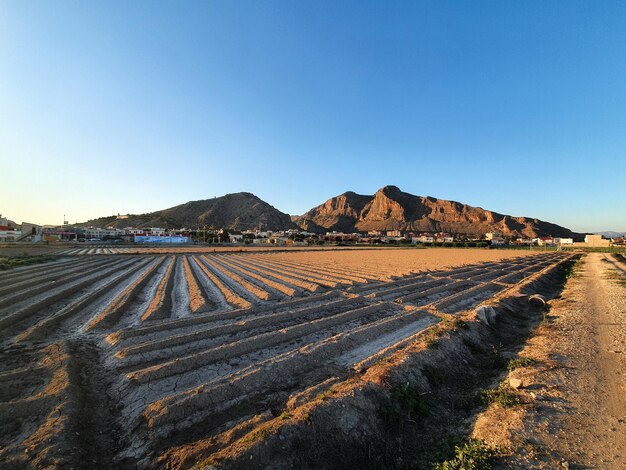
(392, 209)
(237, 211)
(388, 209)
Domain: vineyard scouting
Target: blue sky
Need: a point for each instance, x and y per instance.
(116, 106)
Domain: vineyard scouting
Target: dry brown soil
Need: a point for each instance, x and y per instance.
(107, 363)
(574, 397)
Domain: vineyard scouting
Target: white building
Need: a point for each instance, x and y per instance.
(423, 239)
(10, 235)
(101, 233)
(496, 238)
(544, 241)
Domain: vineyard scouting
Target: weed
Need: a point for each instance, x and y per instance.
(455, 323)
(16, 261)
(520, 362)
(258, 435)
(307, 418)
(472, 455)
(433, 334)
(285, 415)
(405, 402)
(570, 269)
(503, 396)
(328, 393)
(206, 464)
(411, 400)
(614, 276)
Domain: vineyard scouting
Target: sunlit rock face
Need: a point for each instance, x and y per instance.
(392, 209)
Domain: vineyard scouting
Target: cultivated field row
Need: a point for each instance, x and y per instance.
(190, 345)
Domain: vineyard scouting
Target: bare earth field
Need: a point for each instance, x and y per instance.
(243, 360)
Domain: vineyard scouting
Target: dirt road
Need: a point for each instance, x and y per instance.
(574, 411)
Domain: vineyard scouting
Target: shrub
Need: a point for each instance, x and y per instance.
(411, 400)
(472, 455)
(520, 362)
(448, 244)
(470, 244)
(405, 402)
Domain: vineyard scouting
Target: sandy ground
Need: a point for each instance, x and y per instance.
(400, 261)
(574, 411)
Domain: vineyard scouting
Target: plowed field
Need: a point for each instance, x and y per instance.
(119, 359)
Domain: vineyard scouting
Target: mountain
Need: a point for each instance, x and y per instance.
(238, 211)
(611, 234)
(388, 209)
(392, 209)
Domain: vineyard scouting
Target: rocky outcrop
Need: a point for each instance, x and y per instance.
(392, 209)
(337, 213)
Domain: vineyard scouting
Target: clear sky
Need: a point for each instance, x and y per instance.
(118, 106)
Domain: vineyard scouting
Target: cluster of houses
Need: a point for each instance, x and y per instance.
(35, 233)
(280, 237)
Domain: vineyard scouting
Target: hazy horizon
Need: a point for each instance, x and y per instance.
(300, 213)
(122, 107)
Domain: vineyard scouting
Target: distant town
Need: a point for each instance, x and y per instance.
(33, 233)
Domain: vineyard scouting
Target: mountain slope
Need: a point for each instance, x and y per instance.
(237, 211)
(392, 209)
(611, 234)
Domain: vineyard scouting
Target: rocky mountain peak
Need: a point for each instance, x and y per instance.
(389, 191)
(392, 209)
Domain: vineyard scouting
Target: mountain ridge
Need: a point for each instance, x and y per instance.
(234, 211)
(388, 209)
(392, 209)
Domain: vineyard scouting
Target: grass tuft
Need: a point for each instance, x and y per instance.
(472, 455)
(520, 362)
(16, 261)
(503, 396)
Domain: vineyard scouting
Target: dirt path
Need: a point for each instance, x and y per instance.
(574, 411)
